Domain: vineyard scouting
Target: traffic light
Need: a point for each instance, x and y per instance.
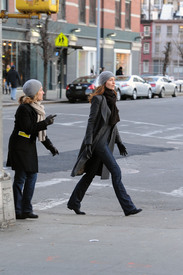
(37, 6)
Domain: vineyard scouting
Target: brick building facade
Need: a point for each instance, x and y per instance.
(77, 19)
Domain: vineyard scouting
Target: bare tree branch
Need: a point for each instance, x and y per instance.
(180, 49)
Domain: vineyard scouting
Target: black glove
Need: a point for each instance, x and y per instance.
(53, 150)
(88, 151)
(50, 119)
(122, 149)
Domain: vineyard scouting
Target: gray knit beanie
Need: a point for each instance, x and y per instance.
(31, 87)
(104, 76)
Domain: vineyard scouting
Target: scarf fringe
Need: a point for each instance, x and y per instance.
(40, 117)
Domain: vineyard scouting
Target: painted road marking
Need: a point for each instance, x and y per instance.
(53, 202)
(69, 123)
(51, 182)
(143, 123)
(151, 135)
(175, 193)
(49, 203)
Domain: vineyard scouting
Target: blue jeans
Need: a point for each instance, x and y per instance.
(23, 189)
(105, 155)
(13, 93)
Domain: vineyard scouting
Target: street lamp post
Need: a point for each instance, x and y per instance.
(98, 38)
(7, 212)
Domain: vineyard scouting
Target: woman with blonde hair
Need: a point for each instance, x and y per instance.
(30, 123)
(95, 156)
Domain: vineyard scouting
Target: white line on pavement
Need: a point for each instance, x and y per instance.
(49, 203)
(70, 114)
(69, 123)
(175, 142)
(51, 182)
(150, 135)
(175, 193)
(144, 123)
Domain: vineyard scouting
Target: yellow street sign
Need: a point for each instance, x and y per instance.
(61, 40)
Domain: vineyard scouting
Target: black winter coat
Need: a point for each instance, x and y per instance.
(22, 152)
(12, 78)
(94, 131)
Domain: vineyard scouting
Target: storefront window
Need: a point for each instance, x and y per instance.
(122, 60)
(4, 5)
(86, 62)
(6, 53)
(18, 54)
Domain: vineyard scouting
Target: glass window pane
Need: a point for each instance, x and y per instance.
(128, 15)
(82, 14)
(61, 13)
(93, 11)
(118, 13)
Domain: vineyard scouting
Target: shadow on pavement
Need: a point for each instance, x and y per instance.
(66, 160)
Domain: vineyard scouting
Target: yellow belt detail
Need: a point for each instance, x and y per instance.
(22, 134)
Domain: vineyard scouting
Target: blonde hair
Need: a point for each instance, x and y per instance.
(27, 100)
(99, 91)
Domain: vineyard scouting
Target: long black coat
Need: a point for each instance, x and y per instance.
(22, 152)
(95, 130)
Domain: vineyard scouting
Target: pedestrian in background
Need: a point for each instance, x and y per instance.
(6, 87)
(95, 156)
(30, 123)
(119, 71)
(12, 79)
(102, 69)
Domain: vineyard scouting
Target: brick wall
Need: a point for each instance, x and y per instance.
(135, 16)
(72, 11)
(11, 6)
(107, 14)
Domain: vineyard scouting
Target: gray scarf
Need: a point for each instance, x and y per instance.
(40, 116)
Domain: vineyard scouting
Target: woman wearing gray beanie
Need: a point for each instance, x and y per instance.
(30, 123)
(95, 156)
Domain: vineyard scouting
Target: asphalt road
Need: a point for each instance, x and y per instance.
(105, 241)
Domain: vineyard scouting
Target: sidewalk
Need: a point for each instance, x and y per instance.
(52, 96)
(98, 243)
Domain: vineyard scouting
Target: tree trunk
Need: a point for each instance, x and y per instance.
(45, 78)
(167, 57)
(45, 47)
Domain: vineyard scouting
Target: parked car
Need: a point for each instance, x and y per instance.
(133, 86)
(83, 86)
(162, 86)
(179, 83)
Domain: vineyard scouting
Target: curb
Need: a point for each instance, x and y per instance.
(8, 104)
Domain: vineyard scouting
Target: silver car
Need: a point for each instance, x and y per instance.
(133, 86)
(162, 86)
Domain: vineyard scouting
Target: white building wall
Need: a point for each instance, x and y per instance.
(175, 67)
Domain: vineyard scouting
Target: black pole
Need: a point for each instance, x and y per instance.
(61, 78)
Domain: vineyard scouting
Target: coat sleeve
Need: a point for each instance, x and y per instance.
(118, 138)
(8, 78)
(47, 143)
(26, 122)
(18, 77)
(94, 109)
